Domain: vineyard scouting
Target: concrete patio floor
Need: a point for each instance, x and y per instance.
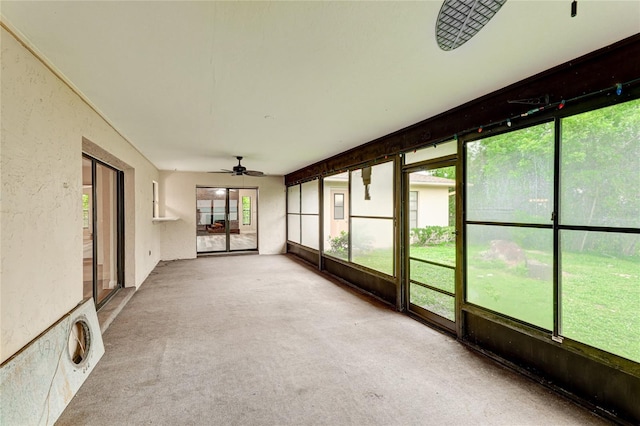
(265, 340)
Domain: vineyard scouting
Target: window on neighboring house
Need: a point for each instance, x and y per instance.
(413, 209)
(338, 206)
(246, 210)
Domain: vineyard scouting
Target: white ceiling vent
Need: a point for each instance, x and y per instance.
(459, 20)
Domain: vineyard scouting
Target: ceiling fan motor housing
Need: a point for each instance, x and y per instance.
(239, 169)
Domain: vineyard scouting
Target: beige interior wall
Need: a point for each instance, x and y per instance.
(44, 124)
(178, 199)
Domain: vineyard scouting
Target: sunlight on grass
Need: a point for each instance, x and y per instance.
(509, 290)
(379, 260)
(601, 302)
(600, 297)
(433, 301)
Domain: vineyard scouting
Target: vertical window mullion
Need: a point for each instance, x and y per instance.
(557, 294)
(94, 201)
(350, 173)
(227, 225)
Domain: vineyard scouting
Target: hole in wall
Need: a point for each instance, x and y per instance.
(79, 341)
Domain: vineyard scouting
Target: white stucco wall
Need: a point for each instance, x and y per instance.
(178, 199)
(433, 205)
(43, 124)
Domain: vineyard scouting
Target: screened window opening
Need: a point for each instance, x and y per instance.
(431, 152)
(303, 214)
(358, 217)
(513, 223)
(600, 173)
(310, 214)
(372, 201)
(293, 213)
(510, 177)
(599, 198)
(510, 271)
(509, 236)
(336, 219)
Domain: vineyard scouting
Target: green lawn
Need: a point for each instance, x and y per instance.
(600, 295)
(380, 260)
(434, 276)
(601, 302)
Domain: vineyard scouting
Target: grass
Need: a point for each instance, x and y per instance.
(508, 290)
(379, 260)
(600, 296)
(601, 302)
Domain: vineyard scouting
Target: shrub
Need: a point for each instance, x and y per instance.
(432, 235)
(339, 246)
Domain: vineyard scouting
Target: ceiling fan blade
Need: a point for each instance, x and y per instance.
(224, 171)
(253, 173)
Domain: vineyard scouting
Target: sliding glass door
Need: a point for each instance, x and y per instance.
(226, 219)
(102, 230)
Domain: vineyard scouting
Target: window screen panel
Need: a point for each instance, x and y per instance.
(510, 176)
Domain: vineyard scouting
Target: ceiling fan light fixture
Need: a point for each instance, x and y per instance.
(460, 20)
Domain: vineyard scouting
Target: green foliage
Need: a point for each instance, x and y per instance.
(85, 202)
(510, 178)
(600, 163)
(432, 235)
(339, 246)
(512, 174)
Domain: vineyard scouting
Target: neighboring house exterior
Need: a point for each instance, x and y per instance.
(429, 198)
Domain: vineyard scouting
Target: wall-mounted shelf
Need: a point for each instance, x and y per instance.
(165, 219)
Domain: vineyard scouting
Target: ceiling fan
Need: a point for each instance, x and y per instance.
(240, 170)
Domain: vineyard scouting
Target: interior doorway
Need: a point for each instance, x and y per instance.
(226, 219)
(431, 253)
(102, 229)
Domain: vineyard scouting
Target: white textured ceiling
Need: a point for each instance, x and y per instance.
(286, 84)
